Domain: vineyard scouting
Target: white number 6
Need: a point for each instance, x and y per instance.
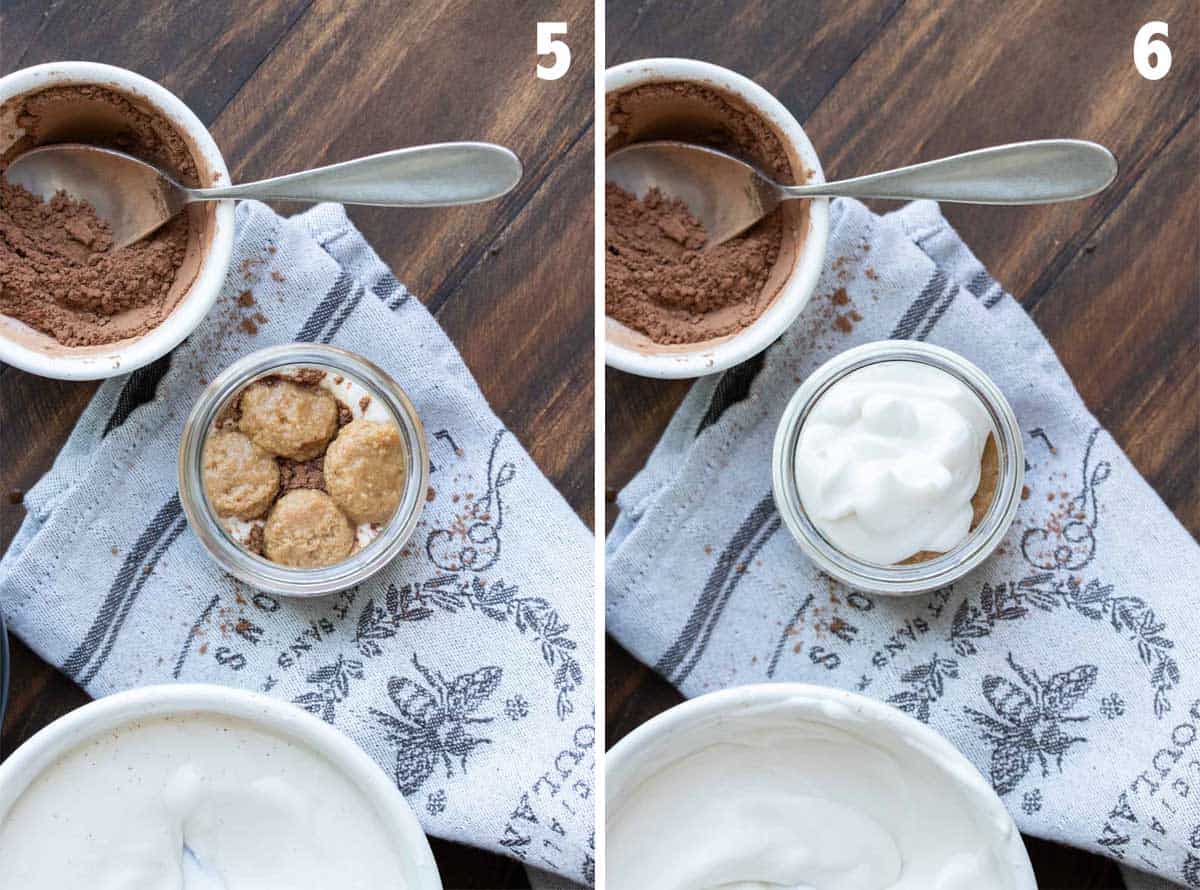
(1151, 57)
(547, 45)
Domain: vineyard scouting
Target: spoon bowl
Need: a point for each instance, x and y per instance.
(725, 194)
(133, 197)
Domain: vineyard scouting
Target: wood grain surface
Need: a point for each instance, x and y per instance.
(1113, 281)
(289, 84)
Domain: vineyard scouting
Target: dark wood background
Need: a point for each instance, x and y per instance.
(290, 84)
(1112, 281)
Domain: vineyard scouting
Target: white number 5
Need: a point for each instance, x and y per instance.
(547, 45)
(1151, 57)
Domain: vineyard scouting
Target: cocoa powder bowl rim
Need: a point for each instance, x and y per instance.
(123, 356)
(261, 573)
(902, 579)
(712, 356)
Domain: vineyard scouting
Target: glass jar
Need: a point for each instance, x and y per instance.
(900, 579)
(262, 573)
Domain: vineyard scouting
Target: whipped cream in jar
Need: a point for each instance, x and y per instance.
(898, 467)
(786, 785)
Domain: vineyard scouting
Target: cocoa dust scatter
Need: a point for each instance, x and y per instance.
(430, 494)
(277, 276)
(1024, 492)
(364, 403)
(843, 316)
(246, 299)
(250, 267)
(249, 326)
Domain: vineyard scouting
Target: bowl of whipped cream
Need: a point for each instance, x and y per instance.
(787, 785)
(145, 787)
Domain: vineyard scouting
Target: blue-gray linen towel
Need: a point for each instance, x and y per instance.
(1067, 667)
(465, 669)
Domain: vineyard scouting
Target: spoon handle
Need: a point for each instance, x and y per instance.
(426, 176)
(1019, 173)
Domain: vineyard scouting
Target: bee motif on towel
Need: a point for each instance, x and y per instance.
(1031, 717)
(435, 722)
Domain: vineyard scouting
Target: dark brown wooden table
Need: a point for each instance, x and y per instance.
(1111, 281)
(288, 84)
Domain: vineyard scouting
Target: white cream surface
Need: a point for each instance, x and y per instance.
(888, 459)
(264, 811)
(351, 393)
(803, 804)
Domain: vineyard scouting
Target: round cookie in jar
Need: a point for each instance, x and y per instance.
(303, 469)
(364, 470)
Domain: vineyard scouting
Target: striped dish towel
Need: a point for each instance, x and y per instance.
(1067, 667)
(493, 740)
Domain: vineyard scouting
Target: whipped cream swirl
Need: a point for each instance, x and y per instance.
(888, 459)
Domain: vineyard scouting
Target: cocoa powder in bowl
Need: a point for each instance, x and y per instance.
(660, 281)
(61, 286)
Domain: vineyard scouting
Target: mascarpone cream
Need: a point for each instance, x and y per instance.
(805, 797)
(265, 812)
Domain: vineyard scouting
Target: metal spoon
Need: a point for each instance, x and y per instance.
(135, 198)
(728, 195)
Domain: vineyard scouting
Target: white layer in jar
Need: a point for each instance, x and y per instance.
(889, 462)
(264, 811)
(767, 803)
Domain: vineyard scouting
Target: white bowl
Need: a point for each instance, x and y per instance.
(632, 351)
(667, 737)
(21, 769)
(33, 351)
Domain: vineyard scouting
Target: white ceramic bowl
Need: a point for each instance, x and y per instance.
(32, 351)
(665, 738)
(630, 350)
(106, 714)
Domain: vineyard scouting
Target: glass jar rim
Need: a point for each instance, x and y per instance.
(261, 573)
(912, 578)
